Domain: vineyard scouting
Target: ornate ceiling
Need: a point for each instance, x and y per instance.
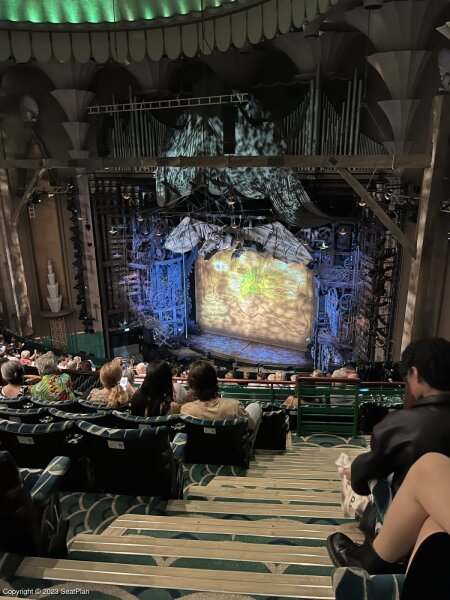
(131, 30)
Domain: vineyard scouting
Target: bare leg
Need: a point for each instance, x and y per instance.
(428, 528)
(423, 494)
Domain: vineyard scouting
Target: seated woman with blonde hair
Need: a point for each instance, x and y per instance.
(112, 394)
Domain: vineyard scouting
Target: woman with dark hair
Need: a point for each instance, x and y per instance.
(202, 381)
(13, 375)
(155, 397)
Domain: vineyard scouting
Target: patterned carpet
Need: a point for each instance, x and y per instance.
(93, 513)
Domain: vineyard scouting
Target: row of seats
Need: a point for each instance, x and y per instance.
(102, 445)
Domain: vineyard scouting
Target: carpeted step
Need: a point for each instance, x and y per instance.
(198, 554)
(313, 511)
(269, 529)
(279, 484)
(260, 495)
(289, 473)
(302, 587)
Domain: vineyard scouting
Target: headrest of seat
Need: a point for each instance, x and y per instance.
(121, 434)
(135, 419)
(77, 416)
(214, 422)
(22, 411)
(26, 428)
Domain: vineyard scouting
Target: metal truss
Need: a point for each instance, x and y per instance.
(235, 98)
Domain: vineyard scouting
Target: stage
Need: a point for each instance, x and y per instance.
(248, 353)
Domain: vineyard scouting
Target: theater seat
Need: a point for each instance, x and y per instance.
(135, 461)
(357, 584)
(128, 421)
(26, 415)
(103, 418)
(67, 405)
(30, 515)
(84, 381)
(35, 445)
(272, 430)
(19, 402)
(218, 442)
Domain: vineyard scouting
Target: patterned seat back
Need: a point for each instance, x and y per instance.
(103, 418)
(25, 415)
(67, 405)
(14, 402)
(35, 446)
(217, 442)
(128, 421)
(83, 382)
(131, 461)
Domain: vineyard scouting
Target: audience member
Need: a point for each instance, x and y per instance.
(260, 378)
(347, 372)
(53, 385)
(417, 522)
(112, 394)
(156, 397)
(25, 357)
(141, 369)
(130, 375)
(202, 380)
(403, 436)
(317, 373)
(71, 365)
(85, 366)
(13, 380)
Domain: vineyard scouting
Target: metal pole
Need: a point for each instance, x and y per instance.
(185, 301)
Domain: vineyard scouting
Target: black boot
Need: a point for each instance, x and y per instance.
(346, 553)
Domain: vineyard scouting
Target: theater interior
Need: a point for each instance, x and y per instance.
(261, 185)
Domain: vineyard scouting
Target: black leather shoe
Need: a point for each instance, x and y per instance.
(346, 553)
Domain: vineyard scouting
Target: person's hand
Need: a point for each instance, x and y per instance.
(348, 473)
(32, 378)
(174, 408)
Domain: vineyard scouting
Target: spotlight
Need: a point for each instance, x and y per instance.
(342, 231)
(126, 196)
(140, 218)
(50, 194)
(361, 202)
(323, 245)
(159, 233)
(231, 201)
(80, 218)
(112, 231)
(36, 199)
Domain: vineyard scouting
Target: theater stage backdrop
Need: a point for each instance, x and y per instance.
(255, 297)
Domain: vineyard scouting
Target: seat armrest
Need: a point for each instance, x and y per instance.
(356, 584)
(49, 480)
(178, 445)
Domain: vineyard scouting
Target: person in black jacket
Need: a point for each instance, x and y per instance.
(405, 435)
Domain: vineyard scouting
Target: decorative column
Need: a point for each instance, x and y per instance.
(71, 81)
(399, 31)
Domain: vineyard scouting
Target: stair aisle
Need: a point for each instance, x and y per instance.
(261, 536)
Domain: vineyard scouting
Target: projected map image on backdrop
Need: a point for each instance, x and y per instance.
(255, 297)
